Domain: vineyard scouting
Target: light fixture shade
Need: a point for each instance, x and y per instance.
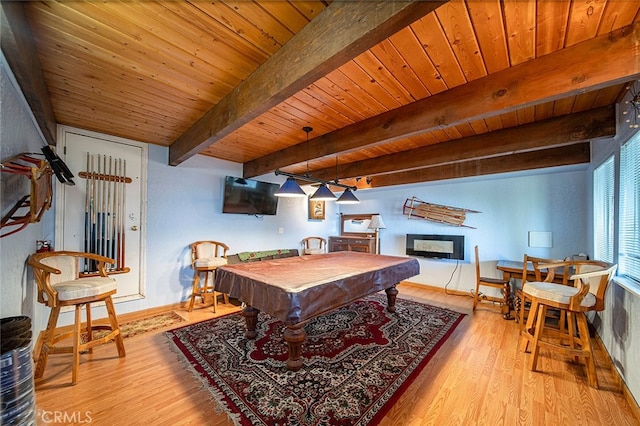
(290, 188)
(323, 194)
(376, 222)
(347, 197)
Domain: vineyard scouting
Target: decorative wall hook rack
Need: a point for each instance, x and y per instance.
(39, 172)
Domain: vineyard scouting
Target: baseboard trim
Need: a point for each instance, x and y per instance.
(438, 289)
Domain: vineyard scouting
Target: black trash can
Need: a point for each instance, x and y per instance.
(16, 372)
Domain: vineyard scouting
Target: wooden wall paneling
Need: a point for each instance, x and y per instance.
(509, 119)
(239, 26)
(269, 25)
(112, 48)
(376, 80)
(526, 115)
(110, 120)
(398, 70)
(552, 157)
(310, 9)
(321, 115)
(492, 38)
(331, 90)
(551, 26)
(456, 24)
(520, 17)
(159, 67)
(479, 126)
(289, 15)
(218, 35)
(585, 101)
(597, 63)
(231, 59)
(408, 46)
(494, 123)
(59, 63)
(331, 37)
(293, 112)
(465, 130)
(585, 20)
(587, 125)
(439, 135)
(563, 106)
(452, 133)
(608, 95)
(355, 83)
(332, 118)
(544, 110)
(438, 50)
(619, 14)
(161, 35)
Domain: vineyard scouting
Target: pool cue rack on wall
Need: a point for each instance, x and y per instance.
(104, 211)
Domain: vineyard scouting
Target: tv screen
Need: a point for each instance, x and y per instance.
(248, 196)
(436, 246)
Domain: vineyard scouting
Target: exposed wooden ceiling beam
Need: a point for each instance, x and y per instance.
(552, 157)
(568, 129)
(342, 31)
(19, 49)
(610, 59)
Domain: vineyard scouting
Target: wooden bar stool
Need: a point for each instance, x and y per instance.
(585, 294)
(59, 284)
(206, 256)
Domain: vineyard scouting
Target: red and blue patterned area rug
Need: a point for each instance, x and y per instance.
(357, 361)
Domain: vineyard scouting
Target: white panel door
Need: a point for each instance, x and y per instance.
(74, 145)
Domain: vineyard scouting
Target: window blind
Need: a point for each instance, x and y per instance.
(603, 210)
(629, 233)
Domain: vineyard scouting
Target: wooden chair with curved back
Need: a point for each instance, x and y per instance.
(314, 245)
(558, 275)
(497, 283)
(206, 256)
(60, 284)
(585, 292)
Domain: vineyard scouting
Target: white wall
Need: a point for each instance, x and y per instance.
(185, 205)
(510, 206)
(18, 134)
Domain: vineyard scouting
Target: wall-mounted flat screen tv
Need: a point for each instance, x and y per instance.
(436, 246)
(248, 196)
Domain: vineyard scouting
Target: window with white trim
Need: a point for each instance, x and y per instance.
(629, 216)
(603, 210)
(619, 245)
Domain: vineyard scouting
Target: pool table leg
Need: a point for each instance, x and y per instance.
(250, 315)
(294, 335)
(392, 292)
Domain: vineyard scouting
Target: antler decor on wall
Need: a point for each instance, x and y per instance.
(454, 216)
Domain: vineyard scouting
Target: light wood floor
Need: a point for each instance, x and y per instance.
(477, 377)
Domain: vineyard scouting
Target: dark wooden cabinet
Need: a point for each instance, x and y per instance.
(348, 243)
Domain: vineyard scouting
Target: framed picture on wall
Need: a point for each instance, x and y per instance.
(316, 209)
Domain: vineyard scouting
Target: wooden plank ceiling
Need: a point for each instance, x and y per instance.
(396, 92)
